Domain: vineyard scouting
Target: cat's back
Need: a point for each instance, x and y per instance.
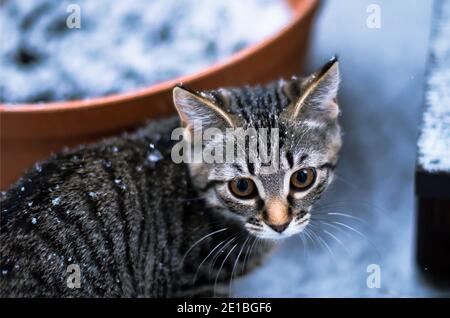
(96, 211)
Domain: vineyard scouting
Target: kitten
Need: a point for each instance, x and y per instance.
(121, 219)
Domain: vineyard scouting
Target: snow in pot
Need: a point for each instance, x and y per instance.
(120, 46)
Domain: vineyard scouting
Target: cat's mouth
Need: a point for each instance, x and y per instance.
(278, 232)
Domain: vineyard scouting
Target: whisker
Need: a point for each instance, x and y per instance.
(235, 264)
(247, 255)
(198, 242)
(204, 260)
(377, 251)
(321, 240)
(219, 251)
(350, 228)
(337, 228)
(348, 204)
(348, 216)
(305, 247)
(337, 240)
(308, 235)
(221, 266)
(327, 246)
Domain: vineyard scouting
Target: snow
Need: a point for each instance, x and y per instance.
(121, 45)
(155, 156)
(434, 141)
(56, 201)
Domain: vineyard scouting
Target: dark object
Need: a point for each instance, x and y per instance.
(433, 170)
(26, 57)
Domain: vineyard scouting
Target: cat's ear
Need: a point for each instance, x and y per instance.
(193, 107)
(317, 95)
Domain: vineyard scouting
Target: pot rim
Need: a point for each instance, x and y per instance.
(300, 9)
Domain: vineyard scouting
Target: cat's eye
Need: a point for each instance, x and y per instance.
(303, 179)
(242, 187)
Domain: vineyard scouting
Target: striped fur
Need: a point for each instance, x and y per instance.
(126, 221)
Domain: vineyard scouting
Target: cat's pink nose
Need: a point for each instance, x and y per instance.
(279, 227)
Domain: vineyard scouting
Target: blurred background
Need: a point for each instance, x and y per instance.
(381, 98)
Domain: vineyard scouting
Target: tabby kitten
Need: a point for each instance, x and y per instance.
(121, 219)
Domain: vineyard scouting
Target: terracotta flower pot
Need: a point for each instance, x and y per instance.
(31, 132)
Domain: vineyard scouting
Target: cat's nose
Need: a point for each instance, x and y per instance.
(279, 227)
(277, 215)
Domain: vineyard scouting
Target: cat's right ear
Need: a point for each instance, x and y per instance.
(318, 95)
(193, 108)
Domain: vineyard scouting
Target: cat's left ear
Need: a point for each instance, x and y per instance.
(192, 107)
(318, 94)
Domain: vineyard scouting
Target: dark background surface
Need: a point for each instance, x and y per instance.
(381, 98)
